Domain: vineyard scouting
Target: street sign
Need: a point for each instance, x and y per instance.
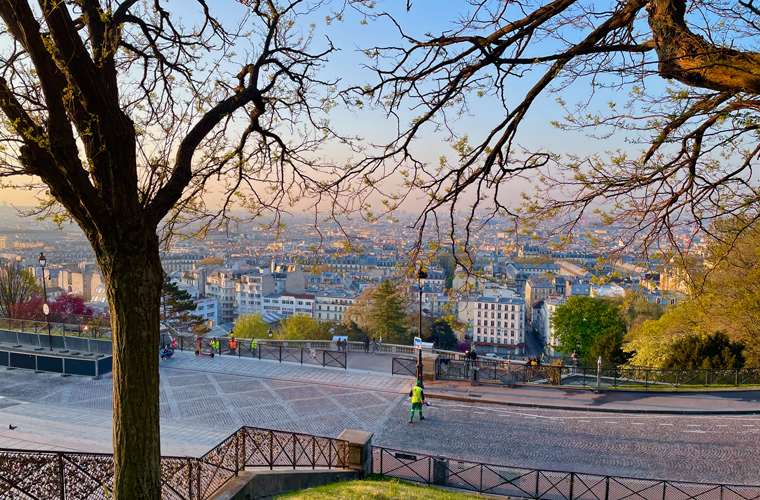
(417, 343)
(45, 309)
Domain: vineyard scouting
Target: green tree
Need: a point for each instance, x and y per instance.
(581, 320)
(442, 335)
(177, 303)
(17, 286)
(251, 326)
(302, 327)
(211, 261)
(350, 329)
(608, 346)
(708, 352)
(387, 316)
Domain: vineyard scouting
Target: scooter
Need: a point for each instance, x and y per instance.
(166, 353)
(200, 350)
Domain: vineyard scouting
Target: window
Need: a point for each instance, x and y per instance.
(513, 316)
(478, 332)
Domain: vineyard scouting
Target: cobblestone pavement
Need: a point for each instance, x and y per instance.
(200, 408)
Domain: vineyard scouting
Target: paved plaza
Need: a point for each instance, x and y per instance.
(203, 400)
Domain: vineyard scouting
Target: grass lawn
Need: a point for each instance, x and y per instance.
(375, 488)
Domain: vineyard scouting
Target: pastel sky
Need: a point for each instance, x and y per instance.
(426, 16)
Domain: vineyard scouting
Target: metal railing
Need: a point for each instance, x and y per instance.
(248, 348)
(622, 377)
(80, 476)
(78, 325)
(521, 482)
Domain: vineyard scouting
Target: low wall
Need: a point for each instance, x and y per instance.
(260, 485)
(90, 365)
(97, 346)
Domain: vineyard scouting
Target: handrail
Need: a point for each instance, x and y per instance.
(185, 478)
(540, 484)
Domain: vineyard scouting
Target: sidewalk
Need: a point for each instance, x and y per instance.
(692, 403)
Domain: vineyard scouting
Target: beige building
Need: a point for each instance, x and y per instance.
(79, 283)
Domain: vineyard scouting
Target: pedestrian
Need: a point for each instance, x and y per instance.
(366, 344)
(233, 345)
(214, 344)
(418, 399)
(254, 346)
(574, 358)
(374, 346)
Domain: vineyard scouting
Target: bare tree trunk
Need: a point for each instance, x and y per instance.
(133, 278)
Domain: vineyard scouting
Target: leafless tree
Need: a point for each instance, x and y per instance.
(678, 80)
(129, 113)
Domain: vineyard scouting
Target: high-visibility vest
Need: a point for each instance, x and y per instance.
(254, 344)
(233, 343)
(416, 394)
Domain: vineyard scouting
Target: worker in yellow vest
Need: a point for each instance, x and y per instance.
(254, 346)
(215, 345)
(418, 399)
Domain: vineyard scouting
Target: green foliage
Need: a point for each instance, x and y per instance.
(387, 315)
(211, 261)
(724, 296)
(300, 326)
(709, 352)
(442, 335)
(581, 320)
(350, 329)
(251, 326)
(177, 302)
(608, 345)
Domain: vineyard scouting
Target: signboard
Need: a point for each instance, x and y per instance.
(339, 337)
(417, 343)
(45, 309)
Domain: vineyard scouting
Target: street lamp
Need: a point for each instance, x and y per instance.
(45, 307)
(270, 333)
(421, 275)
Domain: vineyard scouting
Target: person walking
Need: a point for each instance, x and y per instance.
(366, 344)
(374, 346)
(418, 399)
(254, 346)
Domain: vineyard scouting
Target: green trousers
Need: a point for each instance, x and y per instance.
(418, 407)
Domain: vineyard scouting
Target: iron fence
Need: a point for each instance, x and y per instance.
(521, 482)
(404, 366)
(622, 377)
(248, 348)
(79, 476)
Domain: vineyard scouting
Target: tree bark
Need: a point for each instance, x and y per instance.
(133, 277)
(692, 60)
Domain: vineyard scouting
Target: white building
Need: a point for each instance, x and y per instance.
(221, 286)
(250, 290)
(288, 304)
(542, 321)
(498, 324)
(208, 309)
(332, 303)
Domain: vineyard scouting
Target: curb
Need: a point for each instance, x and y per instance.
(462, 399)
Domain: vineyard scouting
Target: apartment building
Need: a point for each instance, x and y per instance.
(331, 304)
(537, 289)
(498, 324)
(288, 304)
(222, 287)
(250, 290)
(542, 321)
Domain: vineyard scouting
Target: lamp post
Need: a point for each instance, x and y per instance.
(421, 275)
(270, 333)
(45, 307)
